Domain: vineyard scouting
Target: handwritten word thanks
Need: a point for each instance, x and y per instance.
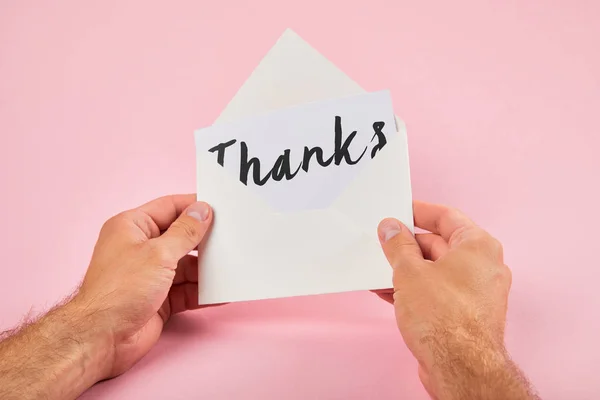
(282, 168)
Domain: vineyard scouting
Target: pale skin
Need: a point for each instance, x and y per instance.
(450, 292)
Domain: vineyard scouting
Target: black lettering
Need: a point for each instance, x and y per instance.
(220, 149)
(282, 167)
(341, 149)
(381, 140)
(245, 165)
(318, 152)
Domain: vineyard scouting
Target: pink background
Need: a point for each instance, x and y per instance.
(98, 101)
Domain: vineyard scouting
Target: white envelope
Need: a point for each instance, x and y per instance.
(254, 252)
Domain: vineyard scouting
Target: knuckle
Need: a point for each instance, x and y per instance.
(502, 275)
(497, 247)
(459, 236)
(480, 239)
(490, 244)
(507, 273)
(187, 229)
(115, 221)
(402, 245)
(451, 214)
(447, 214)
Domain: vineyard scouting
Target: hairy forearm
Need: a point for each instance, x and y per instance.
(57, 357)
(469, 366)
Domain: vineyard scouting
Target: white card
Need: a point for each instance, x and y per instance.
(302, 158)
(300, 236)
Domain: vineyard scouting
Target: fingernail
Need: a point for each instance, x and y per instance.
(388, 229)
(199, 211)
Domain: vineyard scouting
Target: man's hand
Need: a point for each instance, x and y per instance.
(140, 274)
(450, 296)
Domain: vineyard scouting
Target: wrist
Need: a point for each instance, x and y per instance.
(58, 357)
(95, 351)
(467, 364)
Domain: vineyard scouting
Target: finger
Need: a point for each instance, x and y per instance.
(187, 270)
(432, 246)
(441, 220)
(165, 210)
(185, 297)
(385, 294)
(399, 245)
(187, 231)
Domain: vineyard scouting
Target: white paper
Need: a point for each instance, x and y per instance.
(256, 251)
(310, 173)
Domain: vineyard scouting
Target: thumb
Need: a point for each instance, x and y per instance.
(186, 233)
(399, 245)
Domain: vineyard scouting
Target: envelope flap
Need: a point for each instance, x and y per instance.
(291, 73)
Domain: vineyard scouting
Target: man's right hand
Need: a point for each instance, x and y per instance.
(450, 297)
